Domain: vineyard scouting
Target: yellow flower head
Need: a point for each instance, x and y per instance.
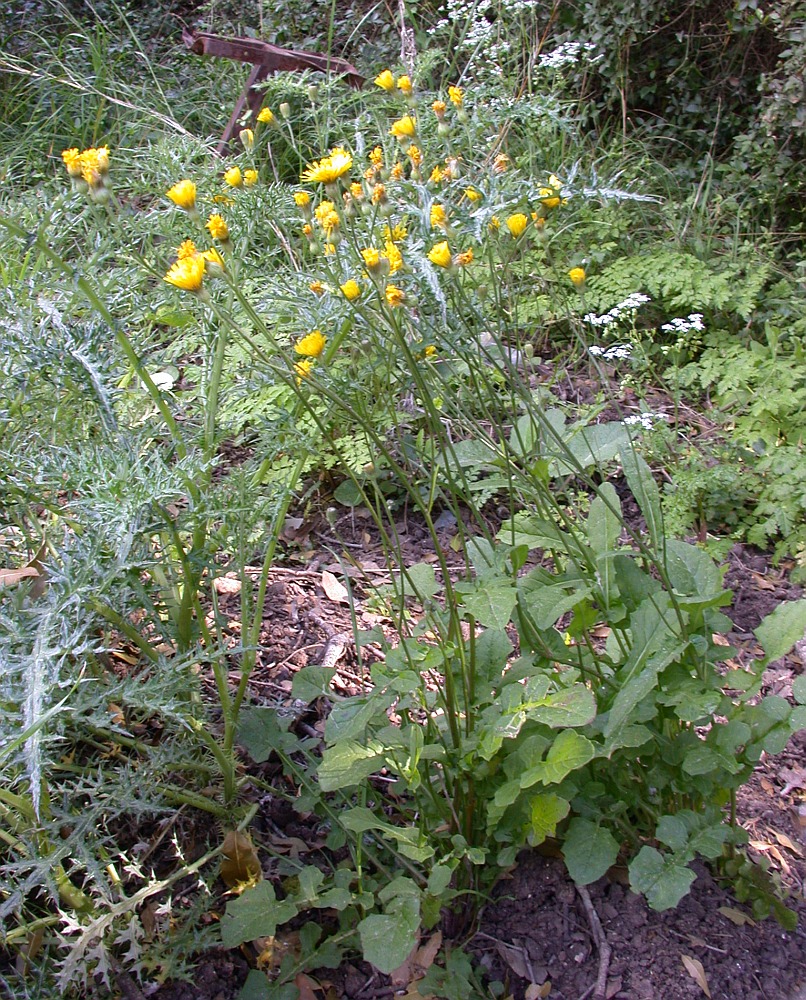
(372, 258)
(303, 369)
(554, 181)
(351, 290)
(577, 276)
(317, 288)
(439, 217)
(441, 254)
(430, 351)
(266, 117)
(404, 128)
(311, 345)
(223, 199)
(456, 96)
(323, 209)
(501, 164)
(307, 230)
(330, 223)
(464, 258)
(357, 190)
(72, 161)
(394, 256)
(329, 168)
(494, 224)
(233, 177)
(378, 194)
(187, 273)
(437, 175)
(250, 177)
(415, 154)
(439, 108)
(385, 80)
(517, 224)
(404, 85)
(213, 262)
(218, 228)
(187, 248)
(549, 197)
(302, 199)
(376, 157)
(396, 173)
(396, 232)
(183, 195)
(395, 296)
(472, 194)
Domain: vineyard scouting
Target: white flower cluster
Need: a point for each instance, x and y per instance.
(568, 54)
(618, 352)
(631, 303)
(644, 420)
(692, 322)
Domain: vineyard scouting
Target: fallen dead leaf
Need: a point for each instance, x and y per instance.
(515, 959)
(695, 969)
(334, 589)
(11, 577)
(307, 987)
(535, 992)
(762, 582)
(736, 916)
(784, 841)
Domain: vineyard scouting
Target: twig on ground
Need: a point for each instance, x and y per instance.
(600, 988)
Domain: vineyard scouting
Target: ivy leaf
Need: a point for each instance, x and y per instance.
(589, 850)
(256, 913)
(663, 880)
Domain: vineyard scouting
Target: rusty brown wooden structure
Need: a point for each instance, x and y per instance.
(265, 58)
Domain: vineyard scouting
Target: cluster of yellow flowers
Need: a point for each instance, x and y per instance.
(89, 171)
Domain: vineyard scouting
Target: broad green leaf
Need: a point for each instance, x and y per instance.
(262, 730)
(780, 630)
(672, 831)
(693, 572)
(633, 583)
(595, 444)
(604, 530)
(258, 987)
(547, 603)
(255, 913)
(388, 938)
(492, 652)
(546, 811)
(645, 490)
(589, 850)
(360, 820)
(567, 753)
(705, 760)
(349, 719)
(348, 494)
(439, 879)
(310, 881)
(348, 763)
(799, 689)
(534, 532)
(491, 603)
(574, 706)
(420, 581)
(311, 683)
(662, 879)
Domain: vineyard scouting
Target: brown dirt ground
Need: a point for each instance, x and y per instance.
(536, 935)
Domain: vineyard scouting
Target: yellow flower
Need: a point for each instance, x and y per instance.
(549, 197)
(472, 194)
(501, 164)
(322, 210)
(233, 177)
(372, 258)
(517, 224)
(213, 262)
(317, 288)
(415, 154)
(72, 161)
(302, 199)
(395, 296)
(439, 217)
(441, 254)
(456, 96)
(303, 369)
(307, 230)
(554, 181)
(311, 345)
(430, 351)
(394, 256)
(404, 128)
(186, 249)
(329, 168)
(330, 222)
(95, 166)
(187, 273)
(439, 108)
(223, 199)
(356, 190)
(385, 80)
(183, 195)
(437, 174)
(494, 224)
(404, 85)
(577, 276)
(396, 173)
(376, 157)
(464, 258)
(218, 228)
(351, 290)
(378, 194)
(266, 117)
(250, 177)
(396, 232)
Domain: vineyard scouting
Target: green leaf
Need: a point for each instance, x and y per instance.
(574, 706)
(546, 811)
(604, 530)
(662, 879)
(693, 572)
(799, 689)
(348, 763)
(490, 602)
(350, 719)
(420, 581)
(645, 490)
(546, 603)
(780, 630)
(360, 820)
(388, 938)
(262, 731)
(256, 913)
(258, 987)
(633, 583)
(672, 831)
(348, 494)
(589, 850)
(568, 752)
(311, 683)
